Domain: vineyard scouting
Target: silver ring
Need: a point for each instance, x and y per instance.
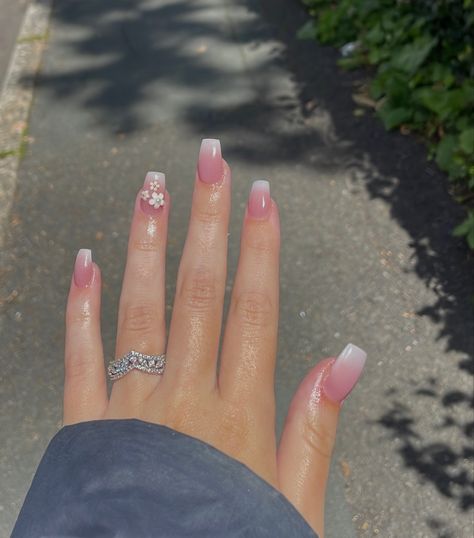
(151, 364)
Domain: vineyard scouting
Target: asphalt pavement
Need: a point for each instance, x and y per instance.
(367, 251)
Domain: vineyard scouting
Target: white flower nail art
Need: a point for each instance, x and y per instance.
(145, 195)
(154, 186)
(156, 200)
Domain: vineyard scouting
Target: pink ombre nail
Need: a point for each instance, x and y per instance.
(210, 166)
(344, 373)
(83, 268)
(259, 204)
(152, 195)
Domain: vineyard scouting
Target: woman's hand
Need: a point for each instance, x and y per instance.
(233, 407)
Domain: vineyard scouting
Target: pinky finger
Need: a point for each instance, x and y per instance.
(85, 388)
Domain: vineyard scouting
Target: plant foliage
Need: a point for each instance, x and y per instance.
(422, 52)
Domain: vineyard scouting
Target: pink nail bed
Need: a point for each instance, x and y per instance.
(259, 203)
(345, 373)
(152, 195)
(210, 166)
(83, 268)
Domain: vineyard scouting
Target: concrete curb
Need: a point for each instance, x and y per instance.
(16, 98)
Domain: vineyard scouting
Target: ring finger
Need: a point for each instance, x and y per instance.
(141, 317)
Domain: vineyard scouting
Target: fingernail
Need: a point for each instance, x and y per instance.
(210, 169)
(83, 268)
(259, 204)
(345, 373)
(152, 195)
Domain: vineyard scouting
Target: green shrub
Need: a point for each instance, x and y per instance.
(423, 55)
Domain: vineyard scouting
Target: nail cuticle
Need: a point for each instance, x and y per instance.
(317, 392)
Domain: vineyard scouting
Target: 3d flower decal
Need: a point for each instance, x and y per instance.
(157, 199)
(152, 195)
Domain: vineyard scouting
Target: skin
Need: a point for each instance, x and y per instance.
(232, 408)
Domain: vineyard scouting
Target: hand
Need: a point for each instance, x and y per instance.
(232, 408)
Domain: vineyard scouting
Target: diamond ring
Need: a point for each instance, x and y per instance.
(151, 364)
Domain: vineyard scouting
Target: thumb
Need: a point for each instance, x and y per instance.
(307, 442)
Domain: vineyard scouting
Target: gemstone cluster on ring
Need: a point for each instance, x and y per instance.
(151, 364)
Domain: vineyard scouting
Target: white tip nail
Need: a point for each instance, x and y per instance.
(345, 373)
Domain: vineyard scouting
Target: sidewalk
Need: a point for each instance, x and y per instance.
(367, 254)
(11, 14)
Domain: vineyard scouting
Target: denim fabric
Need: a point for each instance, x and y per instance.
(129, 478)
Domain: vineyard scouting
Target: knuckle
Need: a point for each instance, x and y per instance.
(236, 426)
(145, 244)
(179, 415)
(80, 317)
(199, 290)
(78, 367)
(209, 215)
(261, 244)
(140, 317)
(254, 309)
(141, 272)
(319, 438)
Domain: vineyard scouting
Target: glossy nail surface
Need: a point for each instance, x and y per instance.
(83, 268)
(259, 204)
(152, 195)
(345, 373)
(210, 165)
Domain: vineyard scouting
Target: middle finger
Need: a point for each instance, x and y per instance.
(197, 312)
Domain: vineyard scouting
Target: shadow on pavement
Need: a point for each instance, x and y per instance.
(436, 462)
(136, 45)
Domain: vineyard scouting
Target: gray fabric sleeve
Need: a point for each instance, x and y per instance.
(129, 478)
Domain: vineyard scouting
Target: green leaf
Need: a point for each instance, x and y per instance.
(470, 237)
(307, 31)
(445, 155)
(462, 123)
(433, 100)
(377, 89)
(392, 117)
(375, 35)
(465, 227)
(352, 62)
(411, 56)
(444, 103)
(466, 140)
(378, 54)
(442, 73)
(396, 87)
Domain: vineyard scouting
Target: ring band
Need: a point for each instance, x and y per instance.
(151, 364)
